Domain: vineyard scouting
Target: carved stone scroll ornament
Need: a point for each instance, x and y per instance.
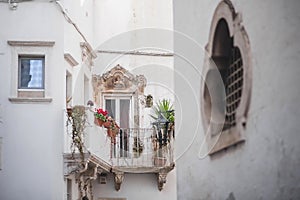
(141, 82)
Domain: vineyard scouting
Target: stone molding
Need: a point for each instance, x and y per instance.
(225, 10)
(29, 100)
(70, 59)
(31, 43)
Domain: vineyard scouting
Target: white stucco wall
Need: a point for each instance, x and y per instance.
(266, 166)
(32, 133)
(137, 186)
(140, 26)
(33, 140)
(144, 26)
(112, 17)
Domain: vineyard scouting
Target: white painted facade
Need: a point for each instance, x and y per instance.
(266, 165)
(33, 134)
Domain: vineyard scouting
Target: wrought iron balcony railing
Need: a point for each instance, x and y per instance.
(141, 149)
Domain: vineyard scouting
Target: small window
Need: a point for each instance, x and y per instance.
(68, 89)
(30, 64)
(31, 72)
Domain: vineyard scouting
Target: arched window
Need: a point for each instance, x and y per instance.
(227, 74)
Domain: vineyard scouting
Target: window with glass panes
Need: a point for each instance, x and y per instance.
(119, 108)
(31, 72)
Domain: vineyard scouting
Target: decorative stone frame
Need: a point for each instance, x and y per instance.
(87, 54)
(120, 81)
(30, 48)
(234, 135)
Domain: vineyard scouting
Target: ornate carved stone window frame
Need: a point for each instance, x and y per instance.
(235, 134)
(119, 81)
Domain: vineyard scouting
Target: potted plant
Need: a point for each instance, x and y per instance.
(164, 117)
(149, 101)
(164, 125)
(100, 116)
(112, 129)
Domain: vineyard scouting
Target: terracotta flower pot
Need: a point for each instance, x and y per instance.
(98, 122)
(109, 132)
(112, 134)
(107, 124)
(115, 131)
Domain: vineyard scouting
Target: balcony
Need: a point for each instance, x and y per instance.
(142, 150)
(133, 150)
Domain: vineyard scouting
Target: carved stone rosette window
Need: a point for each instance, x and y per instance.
(226, 87)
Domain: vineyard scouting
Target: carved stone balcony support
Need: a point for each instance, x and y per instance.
(119, 177)
(162, 176)
(85, 169)
(161, 180)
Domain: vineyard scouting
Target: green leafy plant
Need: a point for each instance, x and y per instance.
(163, 114)
(163, 108)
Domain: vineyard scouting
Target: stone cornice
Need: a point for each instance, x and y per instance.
(70, 59)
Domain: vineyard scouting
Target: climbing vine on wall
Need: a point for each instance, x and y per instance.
(77, 119)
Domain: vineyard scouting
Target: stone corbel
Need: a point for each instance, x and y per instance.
(161, 180)
(70, 167)
(162, 175)
(119, 177)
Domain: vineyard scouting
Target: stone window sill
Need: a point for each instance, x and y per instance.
(29, 100)
(226, 139)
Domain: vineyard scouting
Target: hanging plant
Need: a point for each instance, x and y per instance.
(100, 116)
(77, 118)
